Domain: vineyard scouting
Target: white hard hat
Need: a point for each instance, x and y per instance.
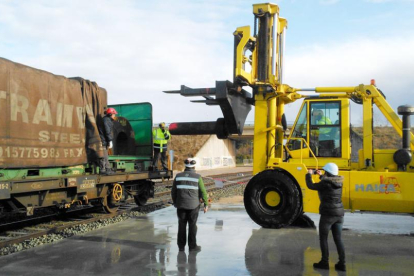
(331, 168)
(189, 162)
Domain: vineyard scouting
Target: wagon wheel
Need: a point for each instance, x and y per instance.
(111, 201)
(272, 199)
(141, 199)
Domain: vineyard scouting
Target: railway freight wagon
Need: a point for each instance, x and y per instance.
(50, 144)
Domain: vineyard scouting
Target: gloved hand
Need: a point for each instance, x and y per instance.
(110, 145)
(163, 130)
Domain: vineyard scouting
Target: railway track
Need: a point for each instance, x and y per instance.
(26, 234)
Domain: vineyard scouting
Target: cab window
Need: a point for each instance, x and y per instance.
(325, 130)
(300, 131)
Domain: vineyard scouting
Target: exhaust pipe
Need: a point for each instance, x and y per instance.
(403, 156)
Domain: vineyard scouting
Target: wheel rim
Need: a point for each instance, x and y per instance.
(272, 198)
(111, 201)
(117, 192)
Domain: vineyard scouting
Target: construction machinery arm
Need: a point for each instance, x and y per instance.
(235, 103)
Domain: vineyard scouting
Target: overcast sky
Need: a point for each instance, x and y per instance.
(136, 49)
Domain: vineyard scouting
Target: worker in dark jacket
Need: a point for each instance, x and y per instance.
(106, 137)
(187, 192)
(332, 213)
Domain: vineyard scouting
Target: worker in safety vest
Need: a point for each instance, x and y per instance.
(161, 136)
(321, 120)
(187, 192)
(106, 135)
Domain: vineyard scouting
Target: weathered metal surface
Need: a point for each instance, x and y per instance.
(4, 190)
(84, 183)
(35, 186)
(47, 120)
(60, 191)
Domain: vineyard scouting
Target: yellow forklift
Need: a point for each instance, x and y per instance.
(277, 196)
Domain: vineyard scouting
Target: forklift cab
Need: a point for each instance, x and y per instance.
(321, 132)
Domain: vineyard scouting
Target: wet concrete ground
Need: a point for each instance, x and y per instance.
(231, 245)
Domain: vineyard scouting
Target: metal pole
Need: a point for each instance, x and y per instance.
(274, 42)
(171, 159)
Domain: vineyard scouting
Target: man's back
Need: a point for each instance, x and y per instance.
(185, 191)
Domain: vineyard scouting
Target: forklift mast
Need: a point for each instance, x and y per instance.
(258, 63)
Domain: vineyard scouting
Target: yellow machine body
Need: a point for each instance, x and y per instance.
(379, 187)
(277, 195)
(372, 179)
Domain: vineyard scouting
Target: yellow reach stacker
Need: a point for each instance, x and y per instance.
(277, 196)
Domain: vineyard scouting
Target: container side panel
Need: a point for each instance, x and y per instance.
(139, 116)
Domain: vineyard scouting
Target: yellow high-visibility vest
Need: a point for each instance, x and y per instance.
(324, 121)
(159, 140)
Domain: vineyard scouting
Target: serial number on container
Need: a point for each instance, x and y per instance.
(35, 152)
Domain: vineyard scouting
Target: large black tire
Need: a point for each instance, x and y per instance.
(303, 221)
(272, 199)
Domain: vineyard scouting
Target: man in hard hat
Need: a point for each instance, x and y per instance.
(318, 118)
(320, 137)
(161, 136)
(106, 135)
(186, 193)
(332, 213)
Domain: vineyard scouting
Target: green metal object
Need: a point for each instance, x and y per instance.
(40, 173)
(139, 116)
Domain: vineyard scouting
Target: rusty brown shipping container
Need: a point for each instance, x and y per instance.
(48, 120)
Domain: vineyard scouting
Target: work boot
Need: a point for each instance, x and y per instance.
(195, 249)
(321, 265)
(181, 249)
(109, 172)
(340, 267)
(106, 172)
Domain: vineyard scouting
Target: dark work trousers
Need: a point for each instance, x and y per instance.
(335, 224)
(190, 217)
(104, 162)
(157, 154)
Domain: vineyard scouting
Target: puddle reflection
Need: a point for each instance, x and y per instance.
(187, 266)
(272, 251)
(219, 225)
